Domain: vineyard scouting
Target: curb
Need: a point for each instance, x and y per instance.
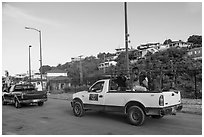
(189, 112)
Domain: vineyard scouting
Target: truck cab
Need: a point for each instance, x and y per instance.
(105, 95)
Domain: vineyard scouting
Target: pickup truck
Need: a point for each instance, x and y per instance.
(23, 94)
(104, 95)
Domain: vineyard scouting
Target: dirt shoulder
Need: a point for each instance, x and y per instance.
(192, 106)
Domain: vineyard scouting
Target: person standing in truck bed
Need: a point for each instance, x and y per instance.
(138, 80)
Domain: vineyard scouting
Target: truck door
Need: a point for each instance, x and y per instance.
(95, 96)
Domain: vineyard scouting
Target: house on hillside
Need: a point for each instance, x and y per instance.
(119, 50)
(179, 44)
(106, 64)
(149, 45)
(195, 53)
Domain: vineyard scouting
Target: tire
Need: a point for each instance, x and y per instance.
(78, 109)
(136, 115)
(40, 103)
(17, 104)
(157, 116)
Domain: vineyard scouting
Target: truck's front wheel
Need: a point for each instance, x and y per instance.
(136, 115)
(78, 109)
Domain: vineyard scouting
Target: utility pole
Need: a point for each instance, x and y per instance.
(29, 65)
(126, 39)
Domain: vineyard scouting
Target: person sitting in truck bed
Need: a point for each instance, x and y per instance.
(121, 81)
(138, 80)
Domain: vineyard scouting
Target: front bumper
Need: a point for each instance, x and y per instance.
(32, 101)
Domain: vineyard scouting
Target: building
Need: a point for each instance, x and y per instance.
(106, 64)
(58, 83)
(179, 44)
(21, 76)
(195, 53)
(57, 80)
(55, 73)
(149, 45)
(119, 50)
(163, 47)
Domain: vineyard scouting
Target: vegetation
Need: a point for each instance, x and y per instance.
(184, 72)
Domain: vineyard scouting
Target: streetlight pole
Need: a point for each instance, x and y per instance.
(29, 65)
(40, 52)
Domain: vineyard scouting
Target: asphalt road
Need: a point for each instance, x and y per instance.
(55, 117)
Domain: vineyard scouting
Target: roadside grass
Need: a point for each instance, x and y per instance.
(192, 106)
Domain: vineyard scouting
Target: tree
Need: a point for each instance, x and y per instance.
(195, 39)
(121, 63)
(45, 68)
(168, 41)
(185, 72)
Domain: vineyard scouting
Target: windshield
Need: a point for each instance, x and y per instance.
(24, 87)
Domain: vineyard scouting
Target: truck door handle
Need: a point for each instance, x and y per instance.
(100, 96)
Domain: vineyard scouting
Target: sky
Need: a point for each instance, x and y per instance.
(72, 29)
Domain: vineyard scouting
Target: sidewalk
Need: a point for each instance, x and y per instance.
(192, 106)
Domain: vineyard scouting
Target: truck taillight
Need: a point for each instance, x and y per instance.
(161, 100)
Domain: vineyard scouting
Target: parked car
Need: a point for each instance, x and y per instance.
(103, 96)
(23, 94)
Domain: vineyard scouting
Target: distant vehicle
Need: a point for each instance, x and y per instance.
(105, 96)
(23, 94)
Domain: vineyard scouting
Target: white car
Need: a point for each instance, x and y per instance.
(104, 96)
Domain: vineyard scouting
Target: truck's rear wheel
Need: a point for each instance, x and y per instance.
(136, 115)
(78, 109)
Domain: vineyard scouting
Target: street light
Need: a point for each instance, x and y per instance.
(29, 65)
(40, 52)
